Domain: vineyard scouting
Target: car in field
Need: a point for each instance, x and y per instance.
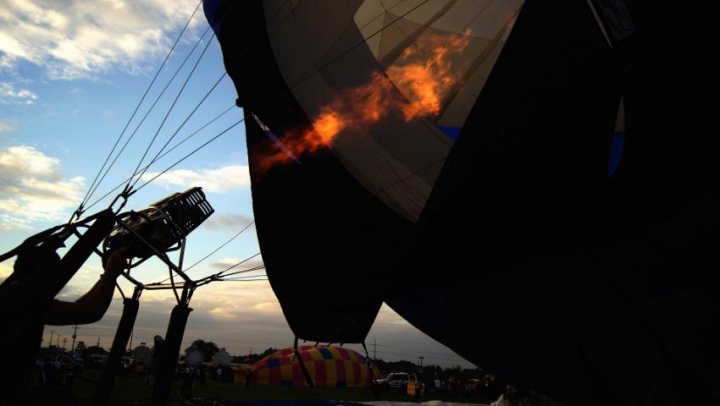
(397, 380)
(69, 364)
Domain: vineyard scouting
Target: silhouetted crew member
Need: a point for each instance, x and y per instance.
(24, 313)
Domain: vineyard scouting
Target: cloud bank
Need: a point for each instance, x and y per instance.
(72, 39)
(220, 180)
(33, 189)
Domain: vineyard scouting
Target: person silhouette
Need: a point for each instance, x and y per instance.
(25, 311)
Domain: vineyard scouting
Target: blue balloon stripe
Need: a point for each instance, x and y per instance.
(616, 152)
(451, 132)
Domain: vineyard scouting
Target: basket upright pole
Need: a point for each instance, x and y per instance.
(117, 351)
(170, 353)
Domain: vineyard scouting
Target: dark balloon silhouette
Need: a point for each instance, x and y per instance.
(533, 184)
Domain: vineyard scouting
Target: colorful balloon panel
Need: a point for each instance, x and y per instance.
(328, 367)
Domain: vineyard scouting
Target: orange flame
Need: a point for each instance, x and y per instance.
(422, 76)
(426, 82)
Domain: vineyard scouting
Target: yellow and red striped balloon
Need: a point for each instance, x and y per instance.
(328, 367)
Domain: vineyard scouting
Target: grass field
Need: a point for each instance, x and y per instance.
(131, 389)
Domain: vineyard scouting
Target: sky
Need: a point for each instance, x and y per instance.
(90, 94)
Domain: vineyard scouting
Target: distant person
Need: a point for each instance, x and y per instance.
(156, 354)
(24, 313)
(49, 372)
(468, 388)
(508, 398)
(202, 371)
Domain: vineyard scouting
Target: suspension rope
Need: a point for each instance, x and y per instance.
(98, 179)
(217, 249)
(157, 99)
(172, 106)
(181, 126)
(190, 154)
(221, 246)
(167, 152)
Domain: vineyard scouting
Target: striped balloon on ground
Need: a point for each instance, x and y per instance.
(327, 366)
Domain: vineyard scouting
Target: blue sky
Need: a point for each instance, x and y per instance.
(71, 75)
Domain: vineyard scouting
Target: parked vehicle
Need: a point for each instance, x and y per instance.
(398, 380)
(69, 364)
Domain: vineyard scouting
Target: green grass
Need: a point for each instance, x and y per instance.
(132, 387)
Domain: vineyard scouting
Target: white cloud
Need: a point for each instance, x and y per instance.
(229, 222)
(6, 127)
(221, 180)
(32, 189)
(10, 95)
(245, 302)
(251, 268)
(227, 302)
(73, 39)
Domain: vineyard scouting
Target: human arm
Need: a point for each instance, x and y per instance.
(92, 306)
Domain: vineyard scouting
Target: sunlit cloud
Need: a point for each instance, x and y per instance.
(388, 319)
(241, 301)
(5, 270)
(10, 95)
(243, 268)
(221, 180)
(108, 114)
(74, 39)
(33, 189)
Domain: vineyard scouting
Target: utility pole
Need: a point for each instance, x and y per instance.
(98, 344)
(72, 349)
(375, 349)
(64, 341)
(57, 344)
(51, 336)
(421, 358)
